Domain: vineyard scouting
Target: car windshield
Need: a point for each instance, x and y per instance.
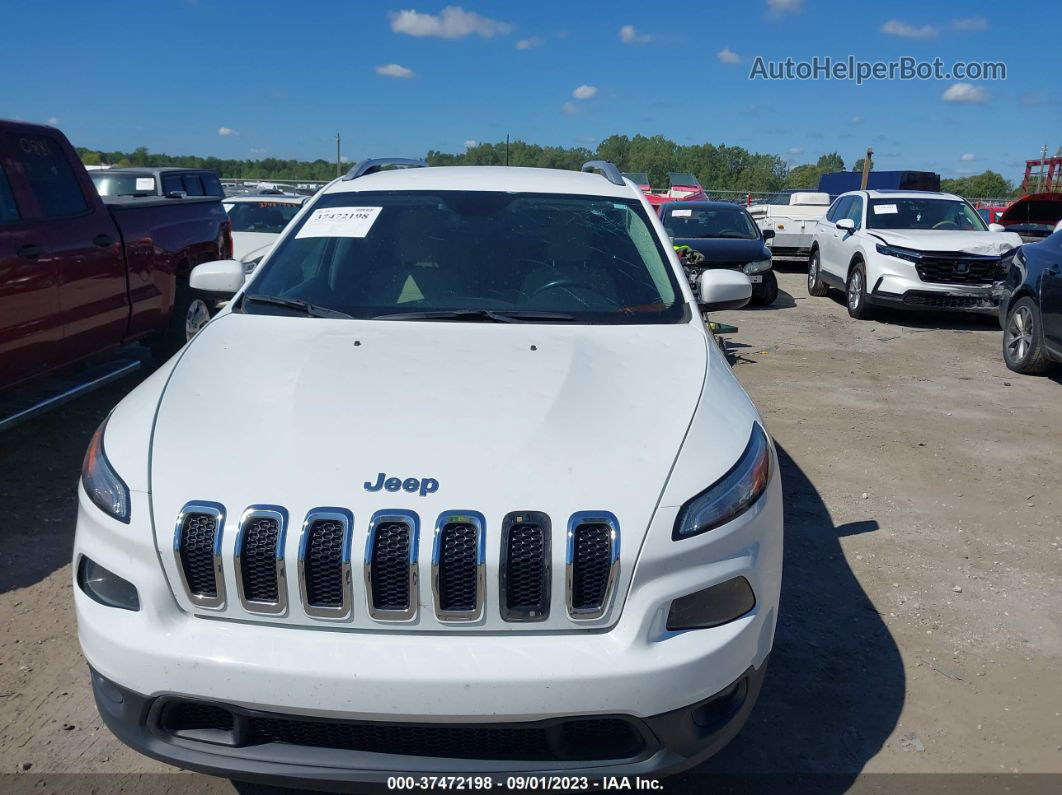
(900, 213)
(263, 216)
(683, 179)
(637, 177)
(732, 222)
(479, 254)
(123, 184)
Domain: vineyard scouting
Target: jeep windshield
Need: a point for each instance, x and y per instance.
(471, 255)
(919, 213)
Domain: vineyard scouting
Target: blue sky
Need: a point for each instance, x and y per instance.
(234, 78)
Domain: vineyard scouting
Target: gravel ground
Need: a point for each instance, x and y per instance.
(921, 624)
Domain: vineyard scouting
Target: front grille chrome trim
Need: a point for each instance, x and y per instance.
(345, 519)
(412, 521)
(476, 520)
(583, 518)
(217, 511)
(253, 513)
(524, 614)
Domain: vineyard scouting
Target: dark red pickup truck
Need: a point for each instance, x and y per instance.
(80, 274)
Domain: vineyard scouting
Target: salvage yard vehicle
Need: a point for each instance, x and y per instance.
(725, 234)
(450, 530)
(80, 274)
(792, 224)
(908, 250)
(257, 222)
(171, 182)
(1030, 309)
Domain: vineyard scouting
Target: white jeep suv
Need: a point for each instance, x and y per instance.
(908, 250)
(457, 482)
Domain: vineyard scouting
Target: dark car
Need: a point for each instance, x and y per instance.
(725, 234)
(1030, 308)
(157, 182)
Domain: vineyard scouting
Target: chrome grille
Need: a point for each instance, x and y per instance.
(324, 562)
(458, 566)
(524, 574)
(259, 559)
(391, 565)
(592, 563)
(197, 549)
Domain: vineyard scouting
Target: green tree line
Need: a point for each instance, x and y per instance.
(718, 167)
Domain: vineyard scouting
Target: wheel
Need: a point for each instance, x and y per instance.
(766, 292)
(816, 286)
(1023, 348)
(856, 293)
(190, 313)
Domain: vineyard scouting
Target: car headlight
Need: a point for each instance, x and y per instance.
(900, 253)
(732, 494)
(757, 267)
(101, 482)
(251, 264)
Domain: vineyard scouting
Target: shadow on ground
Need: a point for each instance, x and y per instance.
(913, 319)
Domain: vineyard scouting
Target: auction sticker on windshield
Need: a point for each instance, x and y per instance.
(340, 222)
(885, 209)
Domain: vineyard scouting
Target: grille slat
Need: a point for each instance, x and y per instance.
(196, 546)
(390, 566)
(457, 568)
(593, 561)
(524, 576)
(958, 269)
(259, 559)
(324, 564)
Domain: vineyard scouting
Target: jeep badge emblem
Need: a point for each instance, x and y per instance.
(424, 485)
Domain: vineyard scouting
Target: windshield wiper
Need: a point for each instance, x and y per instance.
(494, 315)
(305, 307)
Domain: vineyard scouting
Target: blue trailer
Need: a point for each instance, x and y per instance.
(843, 181)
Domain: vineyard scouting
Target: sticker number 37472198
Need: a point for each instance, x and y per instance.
(340, 222)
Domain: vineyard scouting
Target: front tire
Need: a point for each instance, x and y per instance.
(766, 292)
(816, 286)
(1023, 348)
(190, 313)
(856, 293)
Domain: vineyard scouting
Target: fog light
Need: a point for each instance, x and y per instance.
(106, 587)
(713, 606)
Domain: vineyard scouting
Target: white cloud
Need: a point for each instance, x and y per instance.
(470, 143)
(570, 108)
(779, 8)
(727, 55)
(225, 132)
(584, 92)
(530, 43)
(394, 70)
(344, 159)
(970, 24)
(53, 121)
(630, 35)
(453, 23)
(969, 156)
(896, 27)
(256, 151)
(796, 150)
(965, 92)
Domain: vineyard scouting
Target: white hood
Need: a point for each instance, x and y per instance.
(984, 243)
(248, 245)
(301, 412)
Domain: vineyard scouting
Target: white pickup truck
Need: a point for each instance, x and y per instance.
(457, 482)
(793, 224)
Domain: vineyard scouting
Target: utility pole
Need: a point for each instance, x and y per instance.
(506, 148)
(338, 158)
(868, 164)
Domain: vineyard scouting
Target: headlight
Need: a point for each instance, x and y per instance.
(900, 253)
(251, 264)
(757, 267)
(101, 482)
(732, 494)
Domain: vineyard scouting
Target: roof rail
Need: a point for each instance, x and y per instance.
(607, 168)
(376, 164)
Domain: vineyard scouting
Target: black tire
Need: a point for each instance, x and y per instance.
(190, 313)
(855, 294)
(766, 292)
(1023, 344)
(816, 286)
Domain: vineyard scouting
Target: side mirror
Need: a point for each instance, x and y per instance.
(723, 289)
(847, 224)
(768, 234)
(218, 279)
(997, 228)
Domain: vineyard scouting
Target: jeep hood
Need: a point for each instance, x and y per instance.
(301, 412)
(984, 243)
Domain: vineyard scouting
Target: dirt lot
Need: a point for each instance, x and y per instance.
(921, 624)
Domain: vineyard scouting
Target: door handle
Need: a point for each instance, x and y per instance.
(29, 251)
(103, 240)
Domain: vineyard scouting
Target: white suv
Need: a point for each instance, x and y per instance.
(457, 482)
(909, 250)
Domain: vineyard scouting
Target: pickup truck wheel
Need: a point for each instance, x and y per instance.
(1023, 349)
(816, 286)
(190, 313)
(766, 292)
(856, 294)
